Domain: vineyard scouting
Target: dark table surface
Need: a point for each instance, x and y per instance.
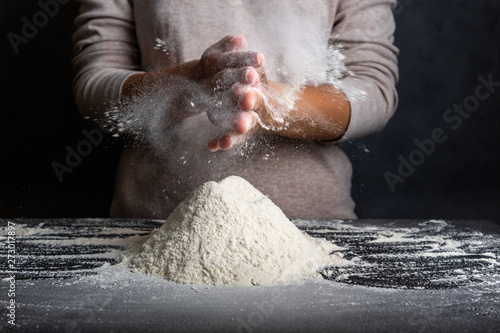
(407, 276)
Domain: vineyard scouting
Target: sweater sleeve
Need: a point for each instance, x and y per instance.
(365, 31)
(106, 52)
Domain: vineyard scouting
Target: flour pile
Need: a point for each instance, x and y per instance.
(229, 233)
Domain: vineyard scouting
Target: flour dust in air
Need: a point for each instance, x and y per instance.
(229, 233)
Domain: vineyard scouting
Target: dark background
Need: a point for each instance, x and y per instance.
(445, 45)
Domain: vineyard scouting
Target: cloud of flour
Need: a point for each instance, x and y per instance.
(297, 52)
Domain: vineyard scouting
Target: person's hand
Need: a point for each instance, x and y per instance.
(240, 104)
(231, 76)
(229, 84)
(251, 114)
(247, 102)
(263, 105)
(212, 84)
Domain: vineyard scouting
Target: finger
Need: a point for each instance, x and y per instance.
(251, 76)
(251, 100)
(228, 44)
(223, 143)
(246, 122)
(213, 63)
(213, 145)
(226, 79)
(251, 124)
(226, 142)
(236, 43)
(220, 61)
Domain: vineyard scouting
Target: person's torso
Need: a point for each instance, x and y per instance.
(305, 179)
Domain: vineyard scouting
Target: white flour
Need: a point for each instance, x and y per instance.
(229, 233)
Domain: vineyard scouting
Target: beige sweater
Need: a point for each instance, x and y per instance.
(116, 38)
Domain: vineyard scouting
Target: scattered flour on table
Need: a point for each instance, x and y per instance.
(229, 233)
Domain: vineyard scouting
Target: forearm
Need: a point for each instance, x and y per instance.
(319, 113)
(105, 53)
(136, 84)
(169, 91)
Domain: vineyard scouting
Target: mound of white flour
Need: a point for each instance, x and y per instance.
(229, 233)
